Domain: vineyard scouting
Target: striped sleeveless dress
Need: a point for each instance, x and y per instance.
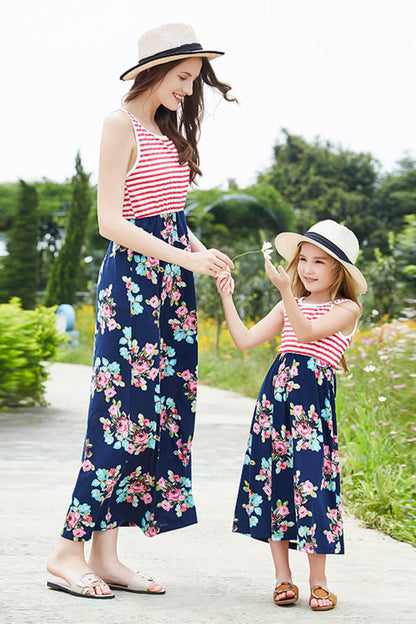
(136, 461)
(290, 482)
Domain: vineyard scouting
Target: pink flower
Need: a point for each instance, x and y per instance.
(304, 429)
(137, 487)
(263, 419)
(191, 321)
(327, 466)
(151, 531)
(166, 505)
(111, 325)
(147, 498)
(141, 437)
(309, 548)
(282, 510)
(256, 428)
(86, 465)
(78, 532)
(176, 295)
(109, 392)
(153, 373)
(101, 380)
(333, 514)
(182, 310)
(297, 497)
(186, 375)
(330, 537)
(192, 387)
(399, 386)
(123, 427)
(152, 261)
(154, 301)
(149, 348)
(279, 447)
(169, 284)
(308, 487)
(106, 310)
(72, 518)
(298, 410)
(302, 511)
(140, 365)
(113, 409)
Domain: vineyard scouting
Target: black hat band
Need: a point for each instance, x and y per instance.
(187, 48)
(322, 240)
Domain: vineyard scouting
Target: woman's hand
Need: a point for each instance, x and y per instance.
(225, 283)
(208, 262)
(278, 276)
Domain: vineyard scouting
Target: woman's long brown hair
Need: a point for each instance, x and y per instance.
(183, 128)
(341, 288)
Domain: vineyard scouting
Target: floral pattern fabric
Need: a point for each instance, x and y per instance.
(290, 483)
(136, 464)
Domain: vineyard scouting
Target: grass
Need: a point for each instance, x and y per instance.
(376, 423)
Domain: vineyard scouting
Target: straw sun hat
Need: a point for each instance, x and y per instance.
(169, 42)
(335, 239)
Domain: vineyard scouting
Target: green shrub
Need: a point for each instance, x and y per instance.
(27, 339)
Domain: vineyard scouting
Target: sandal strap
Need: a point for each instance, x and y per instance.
(86, 582)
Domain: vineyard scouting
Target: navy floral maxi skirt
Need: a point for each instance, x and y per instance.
(136, 464)
(290, 483)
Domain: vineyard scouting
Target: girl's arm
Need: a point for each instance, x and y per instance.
(117, 148)
(342, 317)
(196, 244)
(262, 331)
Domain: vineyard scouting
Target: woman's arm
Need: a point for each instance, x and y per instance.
(262, 331)
(117, 147)
(342, 317)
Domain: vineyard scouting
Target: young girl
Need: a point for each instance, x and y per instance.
(289, 493)
(136, 465)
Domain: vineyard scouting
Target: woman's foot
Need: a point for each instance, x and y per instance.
(285, 593)
(67, 562)
(117, 574)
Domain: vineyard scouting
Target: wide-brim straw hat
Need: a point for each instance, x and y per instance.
(168, 42)
(335, 239)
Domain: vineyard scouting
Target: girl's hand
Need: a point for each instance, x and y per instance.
(225, 283)
(209, 262)
(278, 276)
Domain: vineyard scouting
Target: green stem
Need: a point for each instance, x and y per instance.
(245, 254)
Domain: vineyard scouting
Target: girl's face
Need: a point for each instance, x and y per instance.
(316, 269)
(177, 83)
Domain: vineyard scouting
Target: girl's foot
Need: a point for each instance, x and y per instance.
(321, 599)
(285, 593)
(68, 563)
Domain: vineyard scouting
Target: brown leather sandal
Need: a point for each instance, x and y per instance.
(321, 593)
(285, 586)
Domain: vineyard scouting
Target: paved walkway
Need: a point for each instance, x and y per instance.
(211, 574)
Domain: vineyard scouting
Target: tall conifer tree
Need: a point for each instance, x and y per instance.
(62, 282)
(19, 275)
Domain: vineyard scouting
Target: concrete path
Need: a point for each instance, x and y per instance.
(211, 575)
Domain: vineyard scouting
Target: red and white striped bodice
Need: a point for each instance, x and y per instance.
(330, 349)
(156, 183)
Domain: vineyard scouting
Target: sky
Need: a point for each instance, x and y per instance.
(340, 70)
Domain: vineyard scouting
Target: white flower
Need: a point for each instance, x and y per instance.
(370, 369)
(267, 250)
(382, 399)
(374, 312)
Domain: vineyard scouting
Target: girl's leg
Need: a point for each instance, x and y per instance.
(317, 576)
(105, 562)
(280, 554)
(68, 562)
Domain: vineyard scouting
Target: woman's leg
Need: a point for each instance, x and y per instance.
(105, 563)
(317, 577)
(280, 554)
(67, 561)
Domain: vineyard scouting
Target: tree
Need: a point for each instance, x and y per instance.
(322, 182)
(62, 282)
(19, 274)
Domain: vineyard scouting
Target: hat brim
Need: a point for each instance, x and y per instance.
(131, 73)
(287, 244)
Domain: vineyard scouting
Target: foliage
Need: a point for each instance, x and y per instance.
(62, 282)
(19, 274)
(28, 338)
(322, 182)
(9, 193)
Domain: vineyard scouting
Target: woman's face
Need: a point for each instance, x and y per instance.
(178, 83)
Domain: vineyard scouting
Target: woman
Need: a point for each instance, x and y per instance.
(136, 468)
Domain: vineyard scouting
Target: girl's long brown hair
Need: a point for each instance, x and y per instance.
(341, 288)
(183, 128)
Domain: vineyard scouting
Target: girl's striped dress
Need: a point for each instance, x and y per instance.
(290, 483)
(136, 462)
